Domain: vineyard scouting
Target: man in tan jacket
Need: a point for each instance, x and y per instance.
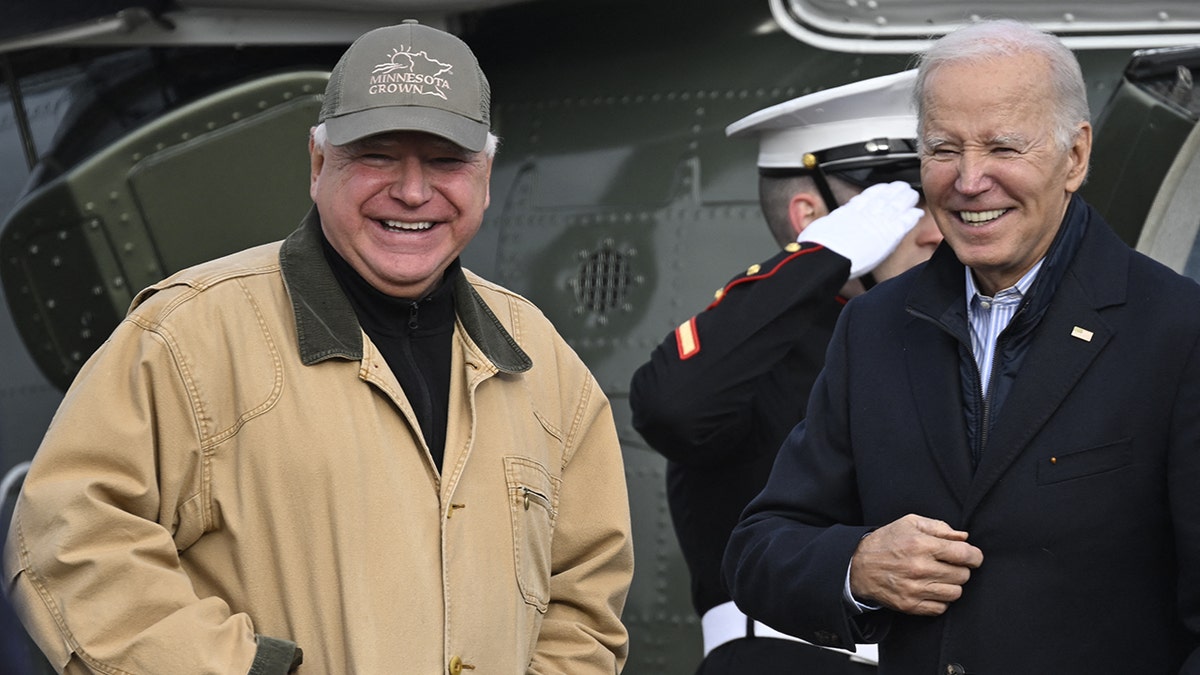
(339, 453)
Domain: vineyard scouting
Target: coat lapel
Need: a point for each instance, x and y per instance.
(934, 370)
(1068, 339)
(934, 365)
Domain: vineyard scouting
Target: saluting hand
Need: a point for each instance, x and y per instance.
(869, 227)
(915, 565)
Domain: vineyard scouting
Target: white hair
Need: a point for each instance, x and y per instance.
(987, 40)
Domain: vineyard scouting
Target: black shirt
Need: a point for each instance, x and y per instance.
(414, 338)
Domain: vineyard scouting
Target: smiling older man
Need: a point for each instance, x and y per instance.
(998, 469)
(341, 449)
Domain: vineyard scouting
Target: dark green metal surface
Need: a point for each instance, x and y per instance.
(223, 173)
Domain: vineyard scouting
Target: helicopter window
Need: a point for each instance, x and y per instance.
(902, 27)
(1172, 231)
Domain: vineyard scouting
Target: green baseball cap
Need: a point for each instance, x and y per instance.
(408, 77)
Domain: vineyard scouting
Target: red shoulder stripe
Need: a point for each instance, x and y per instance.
(687, 339)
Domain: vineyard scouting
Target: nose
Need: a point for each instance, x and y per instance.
(410, 184)
(973, 177)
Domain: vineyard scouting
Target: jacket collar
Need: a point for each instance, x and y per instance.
(326, 326)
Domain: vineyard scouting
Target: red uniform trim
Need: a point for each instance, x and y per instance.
(763, 275)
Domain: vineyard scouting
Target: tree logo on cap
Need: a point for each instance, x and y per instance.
(407, 72)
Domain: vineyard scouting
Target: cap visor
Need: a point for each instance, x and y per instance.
(351, 127)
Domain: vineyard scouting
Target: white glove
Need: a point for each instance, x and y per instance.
(869, 227)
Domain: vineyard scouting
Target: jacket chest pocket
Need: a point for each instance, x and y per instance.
(532, 499)
(1086, 462)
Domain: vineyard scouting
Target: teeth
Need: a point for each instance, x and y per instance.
(398, 225)
(981, 216)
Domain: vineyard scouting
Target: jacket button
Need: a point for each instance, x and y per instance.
(455, 665)
(955, 669)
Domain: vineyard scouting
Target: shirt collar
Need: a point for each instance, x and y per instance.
(1017, 290)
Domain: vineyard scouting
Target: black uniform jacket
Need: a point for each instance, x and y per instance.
(720, 394)
(1084, 500)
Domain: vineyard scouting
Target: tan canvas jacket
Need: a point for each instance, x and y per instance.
(237, 469)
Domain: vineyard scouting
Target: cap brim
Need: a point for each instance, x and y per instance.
(353, 126)
(856, 102)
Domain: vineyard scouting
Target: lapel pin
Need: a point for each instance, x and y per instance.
(1081, 333)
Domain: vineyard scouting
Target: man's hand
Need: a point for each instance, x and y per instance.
(867, 228)
(914, 565)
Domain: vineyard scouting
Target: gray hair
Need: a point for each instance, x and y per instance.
(320, 138)
(987, 40)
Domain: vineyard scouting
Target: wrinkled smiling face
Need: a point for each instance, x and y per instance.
(400, 207)
(996, 181)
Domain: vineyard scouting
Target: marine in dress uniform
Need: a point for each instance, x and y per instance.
(723, 390)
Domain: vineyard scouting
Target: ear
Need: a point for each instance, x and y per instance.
(1078, 157)
(804, 208)
(316, 160)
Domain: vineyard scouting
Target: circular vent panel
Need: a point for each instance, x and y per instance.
(602, 284)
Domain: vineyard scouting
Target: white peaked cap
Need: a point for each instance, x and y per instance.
(880, 107)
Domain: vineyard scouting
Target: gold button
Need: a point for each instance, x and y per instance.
(455, 665)
(719, 294)
(753, 269)
(792, 247)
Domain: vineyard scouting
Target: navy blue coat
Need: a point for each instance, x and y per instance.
(1085, 501)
